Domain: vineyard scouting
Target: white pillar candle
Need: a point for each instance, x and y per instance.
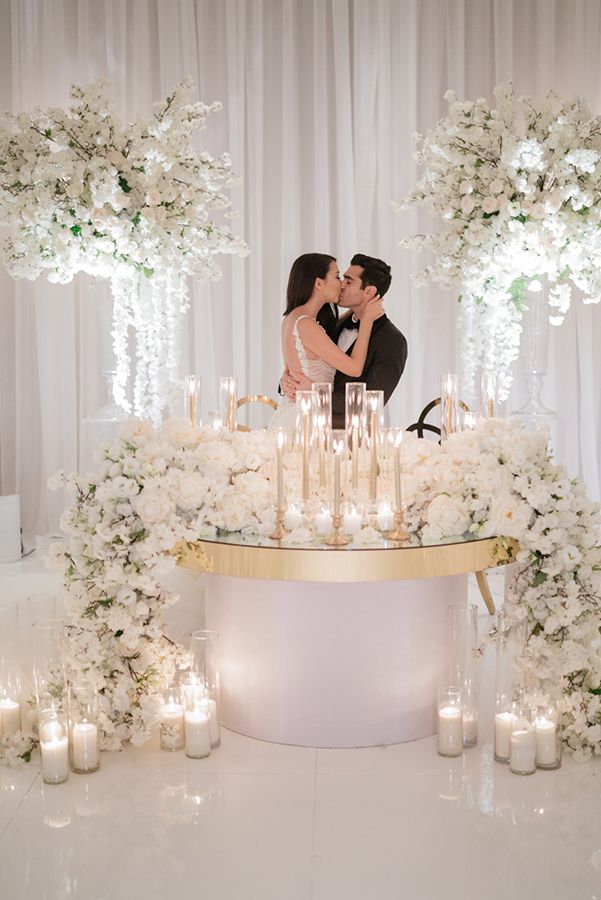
(503, 725)
(292, 518)
(84, 747)
(198, 733)
(351, 521)
(450, 731)
(214, 725)
(470, 729)
(385, 517)
(323, 522)
(546, 734)
(10, 716)
(54, 749)
(172, 726)
(522, 752)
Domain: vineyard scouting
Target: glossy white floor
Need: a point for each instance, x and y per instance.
(266, 822)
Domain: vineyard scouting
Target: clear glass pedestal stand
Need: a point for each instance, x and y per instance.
(534, 354)
(101, 426)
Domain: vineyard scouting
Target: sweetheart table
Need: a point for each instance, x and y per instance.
(333, 647)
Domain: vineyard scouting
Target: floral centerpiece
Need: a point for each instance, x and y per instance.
(135, 203)
(155, 489)
(518, 189)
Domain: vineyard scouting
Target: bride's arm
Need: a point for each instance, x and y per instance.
(316, 340)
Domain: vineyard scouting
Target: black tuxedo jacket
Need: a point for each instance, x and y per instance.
(386, 358)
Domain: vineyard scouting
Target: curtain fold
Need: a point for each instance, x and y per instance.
(321, 101)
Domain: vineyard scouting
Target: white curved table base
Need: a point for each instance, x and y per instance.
(331, 665)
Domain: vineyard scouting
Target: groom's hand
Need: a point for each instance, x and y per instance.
(290, 384)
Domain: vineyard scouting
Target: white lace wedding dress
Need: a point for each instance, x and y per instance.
(316, 370)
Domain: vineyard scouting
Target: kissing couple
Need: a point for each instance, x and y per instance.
(320, 346)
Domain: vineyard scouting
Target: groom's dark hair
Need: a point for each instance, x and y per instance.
(301, 280)
(375, 272)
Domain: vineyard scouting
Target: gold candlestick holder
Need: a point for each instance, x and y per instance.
(399, 533)
(279, 531)
(337, 538)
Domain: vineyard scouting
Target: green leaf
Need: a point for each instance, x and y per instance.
(137, 218)
(76, 230)
(148, 272)
(539, 579)
(124, 185)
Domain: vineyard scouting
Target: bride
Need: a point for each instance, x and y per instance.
(314, 281)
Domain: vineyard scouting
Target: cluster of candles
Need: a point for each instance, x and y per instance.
(525, 736)
(341, 474)
(189, 714)
(69, 739)
(189, 718)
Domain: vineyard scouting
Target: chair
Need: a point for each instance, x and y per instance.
(254, 398)
(421, 425)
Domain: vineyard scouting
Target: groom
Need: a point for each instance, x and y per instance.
(365, 278)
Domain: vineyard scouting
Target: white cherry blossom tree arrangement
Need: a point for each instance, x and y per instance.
(518, 189)
(134, 203)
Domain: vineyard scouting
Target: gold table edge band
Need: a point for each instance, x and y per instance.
(316, 564)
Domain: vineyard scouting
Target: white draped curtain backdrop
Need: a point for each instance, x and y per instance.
(321, 101)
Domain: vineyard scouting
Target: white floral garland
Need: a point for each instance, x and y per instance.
(133, 203)
(518, 188)
(153, 489)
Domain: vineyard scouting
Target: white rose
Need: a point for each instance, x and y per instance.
(153, 506)
(448, 515)
(467, 205)
(192, 490)
(179, 431)
(134, 430)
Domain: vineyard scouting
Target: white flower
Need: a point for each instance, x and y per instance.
(192, 490)
(153, 506)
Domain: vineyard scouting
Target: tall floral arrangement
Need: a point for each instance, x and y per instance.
(518, 189)
(135, 203)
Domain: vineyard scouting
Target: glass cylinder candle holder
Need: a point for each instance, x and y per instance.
(204, 656)
(464, 667)
(197, 724)
(510, 641)
(488, 393)
(548, 742)
(10, 696)
(54, 745)
(321, 405)
(522, 742)
(450, 722)
(48, 667)
(192, 395)
(354, 409)
(304, 404)
(214, 420)
(352, 519)
(228, 389)
(374, 404)
(172, 719)
(83, 731)
(449, 404)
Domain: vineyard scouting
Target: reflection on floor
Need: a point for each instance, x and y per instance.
(259, 821)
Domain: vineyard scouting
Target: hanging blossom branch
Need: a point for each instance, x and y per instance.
(134, 203)
(518, 189)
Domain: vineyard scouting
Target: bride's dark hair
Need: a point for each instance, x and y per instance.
(301, 280)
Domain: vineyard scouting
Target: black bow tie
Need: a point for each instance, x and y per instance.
(350, 323)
